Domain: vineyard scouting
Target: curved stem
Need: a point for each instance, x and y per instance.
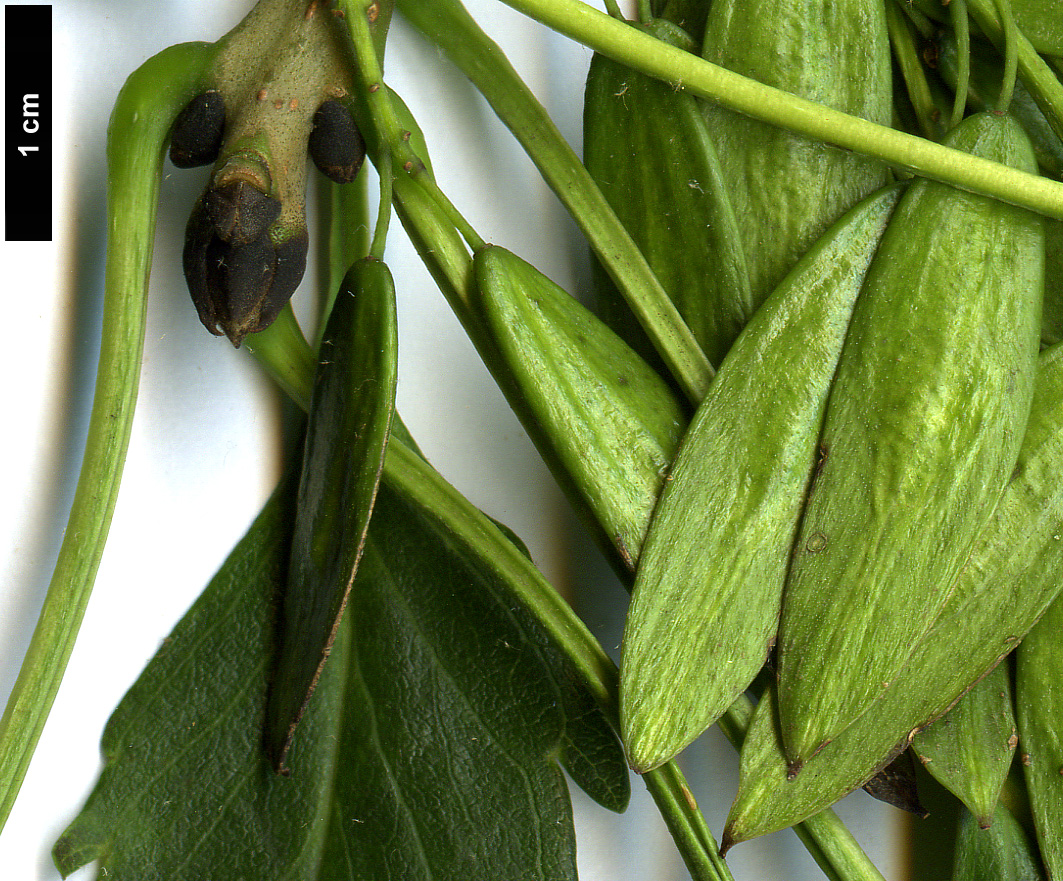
(962, 29)
(1011, 55)
(136, 138)
(380, 235)
(1040, 81)
(907, 56)
(447, 24)
(905, 152)
(343, 214)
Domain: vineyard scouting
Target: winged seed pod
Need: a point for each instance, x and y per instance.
(1012, 575)
(613, 422)
(969, 749)
(647, 147)
(710, 579)
(786, 190)
(1039, 704)
(922, 429)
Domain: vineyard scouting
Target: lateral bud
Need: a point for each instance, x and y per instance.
(336, 145)
(197, 131)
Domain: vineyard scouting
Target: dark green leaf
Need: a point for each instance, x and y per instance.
(186, 790)
(347, 434)
(439, 762)
(455, 715)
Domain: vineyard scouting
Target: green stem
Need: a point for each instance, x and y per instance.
(380, 235)
(904, 50)
(905, 152)
(284, 351)
(447, 23)
(136, 139)
(919, 21)
(393, 142)
(1011, 55)
(962, 29)
(1040, 81)
(686, 823)
(348, 237)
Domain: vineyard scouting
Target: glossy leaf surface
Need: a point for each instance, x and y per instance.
(347, 434)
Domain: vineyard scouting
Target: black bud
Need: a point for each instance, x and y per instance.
(240, 212)
(336, 145)
(199, 238)
(197, 131)
(291, 264)
(239, 288)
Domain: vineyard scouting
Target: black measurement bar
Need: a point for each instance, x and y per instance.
(28, 109)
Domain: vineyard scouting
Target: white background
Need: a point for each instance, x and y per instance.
(204, 451)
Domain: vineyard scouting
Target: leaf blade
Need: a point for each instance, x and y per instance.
(347, 435)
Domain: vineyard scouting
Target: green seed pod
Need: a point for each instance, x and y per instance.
(986, 71)
(1052, 317)
(922, 430)
(612, 421)
(688, 14)
(646, 145)
(709, 583)
(969, 750)
(785, 189)
(1003, 852)
(1012, 575)
(1039, 704)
